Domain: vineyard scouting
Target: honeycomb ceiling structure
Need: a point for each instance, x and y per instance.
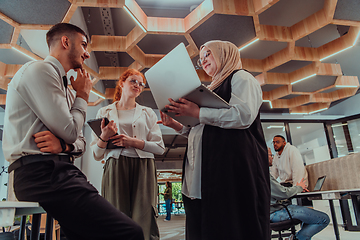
(285, 43)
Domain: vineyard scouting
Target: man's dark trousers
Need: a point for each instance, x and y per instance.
(64, 192)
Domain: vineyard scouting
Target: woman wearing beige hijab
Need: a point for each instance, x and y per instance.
(226, 176)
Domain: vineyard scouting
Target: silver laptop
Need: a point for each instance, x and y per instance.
(174, 76)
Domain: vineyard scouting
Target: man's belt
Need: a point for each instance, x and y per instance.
(39, 158)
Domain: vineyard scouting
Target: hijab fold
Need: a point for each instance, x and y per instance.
(227, 58)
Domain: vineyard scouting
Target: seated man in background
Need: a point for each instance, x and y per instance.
(313, 221)
(288, 164)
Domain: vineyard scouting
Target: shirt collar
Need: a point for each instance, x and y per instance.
(57, 64)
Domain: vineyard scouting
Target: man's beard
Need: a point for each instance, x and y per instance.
(72, 56)
(279, 149)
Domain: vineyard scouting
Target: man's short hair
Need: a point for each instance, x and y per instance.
(279, 137)
(61, 29)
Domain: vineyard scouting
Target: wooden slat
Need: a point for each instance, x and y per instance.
(345, 22)
(158, 25)
(70, 12)
(27, 52)
(111, 73)
(4, 82)
(233, 7)
(279, 92)
(203, 76)
(15, 36)
(329, 8)
(108, 43)
(261, 5)
(151, 59)
(136, 65)
(303, 72)
(137, 54)
(99, 3)
(305, 54)
(109, 93)
(273, 78)
(347, 81)
(277, 59)
(329, 69)
(334, 95)
(309, 24)
(90, 71)
(98, 92)
(2, 99)
(191, 48)
(134, 36)
(199, 15)
(8, 20)
(309, 108)
(275, 33)
(11, 69)
(35, 26)
(97, 102)
(252, 65)
(5, 45)
(339, 44)
(138, 13)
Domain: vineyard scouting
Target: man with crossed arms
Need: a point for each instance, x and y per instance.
(42, 135)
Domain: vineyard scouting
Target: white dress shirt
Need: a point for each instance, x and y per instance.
(245, 101)
(289, 166)
(36, 101)
(144, 127)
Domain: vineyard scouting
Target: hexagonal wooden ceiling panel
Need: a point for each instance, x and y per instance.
(283, 42)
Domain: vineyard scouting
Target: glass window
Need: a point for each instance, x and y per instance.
(354, 130)
(311, 141)
(340, 140)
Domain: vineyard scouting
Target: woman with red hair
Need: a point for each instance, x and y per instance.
(129, 181)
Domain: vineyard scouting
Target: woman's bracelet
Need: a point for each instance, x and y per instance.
(103, 139)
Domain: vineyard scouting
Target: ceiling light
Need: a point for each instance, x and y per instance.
(23, 53)
(319, 110)
(298, 113)
(274, 126)
(298, 127)
(133, 17)
(254, 41)
(303, 79)
(339, 125)
(269, 103)
(346, 86)
(98, 94)
(335, 53)
(357, 37)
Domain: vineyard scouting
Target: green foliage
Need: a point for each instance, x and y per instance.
(176, 191)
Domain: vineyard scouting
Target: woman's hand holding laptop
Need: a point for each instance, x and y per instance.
(183, 107)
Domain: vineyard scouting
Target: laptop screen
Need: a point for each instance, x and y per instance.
(319, 183)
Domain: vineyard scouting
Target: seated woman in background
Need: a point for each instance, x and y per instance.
(226, 188)
(129, 181)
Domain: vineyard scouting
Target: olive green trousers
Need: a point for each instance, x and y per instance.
(130, 184)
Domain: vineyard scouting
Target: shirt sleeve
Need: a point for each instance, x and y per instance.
(98, 152)
(154, 142)
(245, 101)
(274, 171)
(280, 192)
(51, 104)
(297, 166)
(79, 146)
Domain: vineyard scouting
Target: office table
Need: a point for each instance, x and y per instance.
(10, 209)
(342, 195)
